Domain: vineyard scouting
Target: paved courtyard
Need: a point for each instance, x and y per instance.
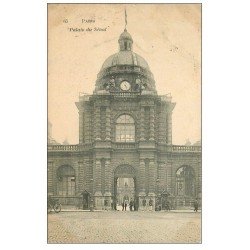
(124, 227)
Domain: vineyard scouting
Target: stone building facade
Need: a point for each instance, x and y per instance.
(125, 131)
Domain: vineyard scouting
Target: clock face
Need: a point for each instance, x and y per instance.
(125, 85)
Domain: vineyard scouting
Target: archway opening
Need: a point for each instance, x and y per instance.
(66, 181)
(185, 186)
(125, 188)
(125, 192)
(185, 180)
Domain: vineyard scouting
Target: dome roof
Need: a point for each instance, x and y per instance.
(125, 35)
(125, 64)
(125, 57)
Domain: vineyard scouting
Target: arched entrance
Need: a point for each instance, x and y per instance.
(185, 186)
(125, 186)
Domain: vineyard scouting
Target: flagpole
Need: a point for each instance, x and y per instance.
(125, 20)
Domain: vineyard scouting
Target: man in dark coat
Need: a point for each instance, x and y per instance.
(144, 203)
(196, 205)
(131, 205)
(125, 205)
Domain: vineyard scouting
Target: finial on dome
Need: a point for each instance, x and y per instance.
(125, 40)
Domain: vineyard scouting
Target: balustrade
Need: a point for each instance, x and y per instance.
(173, 148)
(183, 148)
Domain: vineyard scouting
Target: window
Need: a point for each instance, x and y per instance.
(185, 181)
(66, 181)
(125, 129)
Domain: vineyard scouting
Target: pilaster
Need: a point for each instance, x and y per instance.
(169, 179)
(50, 178)
(162, 125)
(161, 176)
(152, 123)
(98, 198)
(97, 123)
(142, 178)
(97, 177)
(108, 178)
(142, 122)
(169, 128)
(87, 125)
(108, 124)
(81, 126)
(80, 180)
(152, 177)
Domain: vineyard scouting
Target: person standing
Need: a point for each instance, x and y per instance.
(168, 205)
(144, 203)
(105, 205)
(112, 204)
(131, 205)
(123, 206)
(150, 203)
(135, 205)
(196, 205)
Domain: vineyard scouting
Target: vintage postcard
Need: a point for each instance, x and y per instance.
(124, 123)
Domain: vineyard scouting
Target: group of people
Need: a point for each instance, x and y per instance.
(148, 205)
(131, 205)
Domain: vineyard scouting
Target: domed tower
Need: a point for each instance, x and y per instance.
(125, 71)
(125, 127)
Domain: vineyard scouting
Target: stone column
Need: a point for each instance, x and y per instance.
(108, 124)
(87, 126)
(81, 127)
(169, 128)
(50, 179)
(169, 178)
(152, 181)
(142, 181)
(108, 183)
(152, 124)
(161, 177)
(80, 181)
(88, 175)
(108, 178)
(162, 126)
(55, 179)
(152, 176)
(142, 124)
(97, 123)
(97, 184)
(198, 182)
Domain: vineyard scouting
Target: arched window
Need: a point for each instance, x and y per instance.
(125, 129)
(185, 181)
(66, 181)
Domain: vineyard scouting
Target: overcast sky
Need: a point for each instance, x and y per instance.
(168, 37)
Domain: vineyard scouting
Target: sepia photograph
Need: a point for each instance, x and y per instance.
(124, 146)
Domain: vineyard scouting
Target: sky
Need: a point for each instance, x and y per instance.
(167, 36)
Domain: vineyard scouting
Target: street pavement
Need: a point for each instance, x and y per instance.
(124, 227)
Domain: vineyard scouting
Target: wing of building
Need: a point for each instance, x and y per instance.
(125, 133)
